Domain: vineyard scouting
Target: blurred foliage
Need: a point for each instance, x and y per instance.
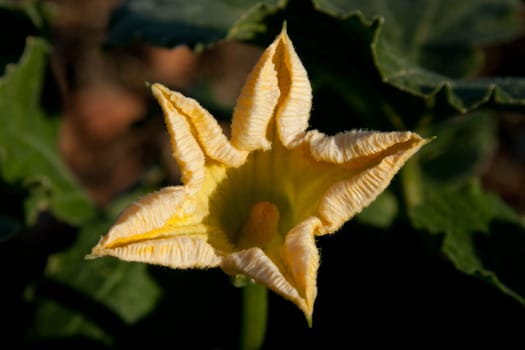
(170, 23)
(95, 301)
(386, 65)
(29, 152)
(30, 18)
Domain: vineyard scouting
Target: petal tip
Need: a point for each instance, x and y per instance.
(157, 89)
(430, 139)
(309, 319)
(284, 28)
(99, 251)
(91, 256)
(96, 252)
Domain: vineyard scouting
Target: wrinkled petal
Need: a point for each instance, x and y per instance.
(256, 104)
(278, 85)
(149, 215)
(302, 257)
(375, 158)
(179, 252)
(291, 272)
(358, 145)
(293, 112)
(204, 127)
(256, 264)
(163, 228)
(185, 148)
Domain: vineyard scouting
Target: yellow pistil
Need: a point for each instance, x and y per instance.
(261, 227)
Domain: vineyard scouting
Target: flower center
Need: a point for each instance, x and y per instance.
(261, 227)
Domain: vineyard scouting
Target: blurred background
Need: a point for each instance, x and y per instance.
(437, 261)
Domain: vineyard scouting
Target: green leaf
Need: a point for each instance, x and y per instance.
(482, 236)
(97, 298)
(170, 23)
(29, 155)
(426, 47)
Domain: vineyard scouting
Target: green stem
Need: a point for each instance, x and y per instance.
(254, 312)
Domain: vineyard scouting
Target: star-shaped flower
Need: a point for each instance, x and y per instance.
(254, 204)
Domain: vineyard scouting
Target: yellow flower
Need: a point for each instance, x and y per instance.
(253, 205)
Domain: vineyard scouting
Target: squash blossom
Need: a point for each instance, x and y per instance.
(254, 204)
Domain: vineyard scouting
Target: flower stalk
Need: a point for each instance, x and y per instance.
(254, 316)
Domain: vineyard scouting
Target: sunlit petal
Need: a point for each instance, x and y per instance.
(358, 145)
(180, 252)
(374, 159)
(161, 228)
(256, 104)
(185, 148)
(256, 264)
(296, 94)
(148, 216)
(302, 258)
(206, 129)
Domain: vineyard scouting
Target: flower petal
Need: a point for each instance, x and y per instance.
(149, 215)
(374, 159)
(256, 104)
(164, 228)
(184, 146)
(302, 258)
(180, 252)
(207, 131)
(295, 103)
(359, 146)
(256, 264)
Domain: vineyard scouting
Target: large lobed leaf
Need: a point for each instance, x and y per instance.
(482, 236)
(29, 155)
(429, 47)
